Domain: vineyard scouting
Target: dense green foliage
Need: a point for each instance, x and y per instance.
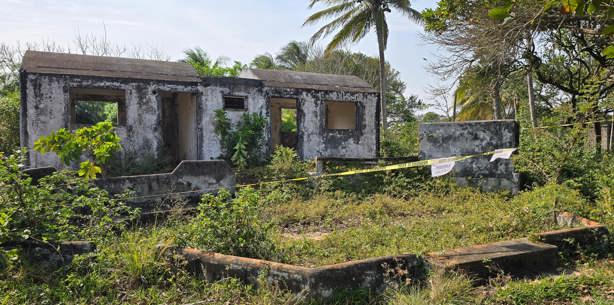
(241, 144)
(401, 140)
(92, 112)
(9, 121)
(56, 208)
(139, 267)
(288, 120)
(286, 164)
(561, 47)
(233, 226)
(99, 142)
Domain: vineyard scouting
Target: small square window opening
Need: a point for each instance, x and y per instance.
(91, 106)
(234, 102)
(340, 115)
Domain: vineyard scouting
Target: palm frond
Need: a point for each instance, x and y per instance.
(332, 26)
(353, 28)
(330, 12)
(404, 6)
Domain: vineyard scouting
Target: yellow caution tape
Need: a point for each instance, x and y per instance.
(374, 169)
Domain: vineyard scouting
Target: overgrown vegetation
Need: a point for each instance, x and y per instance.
(98, 142)
(241, 144)
(58, 207)
(545, 63)
(233, 226)
(9, 121)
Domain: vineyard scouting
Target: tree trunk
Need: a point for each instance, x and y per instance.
(531, 97)
(453, 110)
(496, 98)
(382, 71)
(597, 129)
(530, 91)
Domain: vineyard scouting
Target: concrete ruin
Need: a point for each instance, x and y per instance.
(164, 109)
(188, 180)
(442, 140)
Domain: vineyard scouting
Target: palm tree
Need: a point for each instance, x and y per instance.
(206, 66)
(264, 61)
(353, 20)
(294, 55)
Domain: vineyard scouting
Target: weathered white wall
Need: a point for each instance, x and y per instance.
(213, 99)
(47, 108)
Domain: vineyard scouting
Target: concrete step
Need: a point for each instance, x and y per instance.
(517, 258)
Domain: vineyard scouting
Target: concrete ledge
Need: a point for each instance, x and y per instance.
(517, 258)
(322, 282)
(188, 180)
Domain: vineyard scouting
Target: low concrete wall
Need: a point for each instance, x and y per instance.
(188, 179)
(322, 282)
(441, 140)
(517, 258)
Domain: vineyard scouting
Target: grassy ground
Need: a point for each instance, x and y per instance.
(132, 273)
(327, 227)
(337, 227)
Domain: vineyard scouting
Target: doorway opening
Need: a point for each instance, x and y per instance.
(284, 122)
(179, 126)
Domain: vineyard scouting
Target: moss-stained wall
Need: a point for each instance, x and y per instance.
(441, 140)
(46, 108)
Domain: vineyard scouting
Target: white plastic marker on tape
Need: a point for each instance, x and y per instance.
(504, 153)
(440, 167)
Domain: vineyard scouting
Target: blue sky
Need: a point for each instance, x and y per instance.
(238, 29)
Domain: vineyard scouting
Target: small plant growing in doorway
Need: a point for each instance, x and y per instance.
(99, 142)
(240, 144)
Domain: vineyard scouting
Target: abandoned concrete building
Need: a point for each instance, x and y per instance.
(166, 108)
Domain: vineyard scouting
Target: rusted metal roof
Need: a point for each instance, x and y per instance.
(104, 66)
(308, 80)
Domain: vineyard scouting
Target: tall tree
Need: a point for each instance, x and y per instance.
(563, 43)
(352, 20)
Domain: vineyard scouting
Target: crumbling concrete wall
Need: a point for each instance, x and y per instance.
(46, 108)
(440, 140)
(189, 179)
(214, 91)
(372, 275)
(314, 139)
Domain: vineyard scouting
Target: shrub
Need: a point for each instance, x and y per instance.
(9, 121)
(98, 141)
(133, 162)
(232, 226)
(59, 207)
(241, 145)
(286, 164)
(559, 156)
(401, 140)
